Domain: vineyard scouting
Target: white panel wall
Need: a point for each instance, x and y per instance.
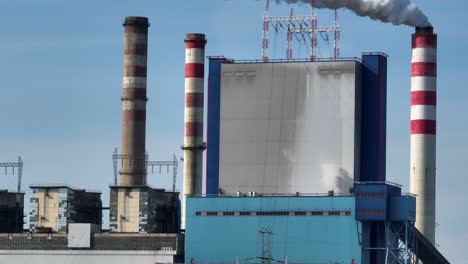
(85, 256)
(289, 127)
(79, 235)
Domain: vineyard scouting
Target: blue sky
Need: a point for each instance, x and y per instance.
(61, 72)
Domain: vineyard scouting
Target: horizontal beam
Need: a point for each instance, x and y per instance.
(162, 163)
(288, 18)
(310, 30)
(11, 164)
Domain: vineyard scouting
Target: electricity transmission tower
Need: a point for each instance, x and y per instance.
(304, 29)
(10, 167)
(118, 159)
(265, 256)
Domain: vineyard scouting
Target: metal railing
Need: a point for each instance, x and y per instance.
(380, 182)
(257, 194)
(295, 60)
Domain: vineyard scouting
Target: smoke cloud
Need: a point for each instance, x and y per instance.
(397, 12)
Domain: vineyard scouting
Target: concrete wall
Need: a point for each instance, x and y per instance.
(48, 208)
(143, 210)
(86, 256)
(217, 233)
(99, 241)
(55, 206)
(128, 210)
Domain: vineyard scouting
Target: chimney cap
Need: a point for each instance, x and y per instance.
(195, 37)
(424, 30)
(136, 21)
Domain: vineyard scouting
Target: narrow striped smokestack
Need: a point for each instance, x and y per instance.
(423, 128)
(133, 171)
(193, 138)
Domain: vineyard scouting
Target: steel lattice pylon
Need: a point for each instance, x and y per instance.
(129, 160)
(265, 255)
(303, 28)
(19, 170)
(174, 163)
(170, 163)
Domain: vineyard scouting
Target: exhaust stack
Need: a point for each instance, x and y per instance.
(193, 133)
(423, 128)
(133, 171)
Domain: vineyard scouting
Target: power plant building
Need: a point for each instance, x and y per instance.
(287, 127)
(11, 211)
(295, 169)
(298, 128)
(144, 210)
(302, 229)
(83, 244)
(296, 156)
(53, 208)
(308, 229)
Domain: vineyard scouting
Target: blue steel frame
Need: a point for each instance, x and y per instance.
(213, 123)
(389, 218)
(373, 136)
(373, 116)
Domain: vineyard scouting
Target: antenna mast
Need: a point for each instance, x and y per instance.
(19, 171)
(337, 36)
(313, 39)
(289, 37)
(265, 32)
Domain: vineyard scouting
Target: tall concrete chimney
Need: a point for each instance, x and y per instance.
(193, 133)
(133, 171)
(423, 128)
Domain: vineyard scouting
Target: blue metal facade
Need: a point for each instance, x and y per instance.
(212, 149)
(217, 233)
(373, 137)
(381, 201)
(403, 208)
(378, 204)
(373, 117)
(373, 200)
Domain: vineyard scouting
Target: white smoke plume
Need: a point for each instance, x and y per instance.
(397, 12)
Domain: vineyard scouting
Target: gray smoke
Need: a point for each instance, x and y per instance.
(397, 12)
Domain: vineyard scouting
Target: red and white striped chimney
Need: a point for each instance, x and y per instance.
(423, 128)
(193, 138)
(133, 171)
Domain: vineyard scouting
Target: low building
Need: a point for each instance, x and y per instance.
(82, 245)
(329, 228)
(11, 212)
(53, 207)
(143, 210)
(302, 229)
